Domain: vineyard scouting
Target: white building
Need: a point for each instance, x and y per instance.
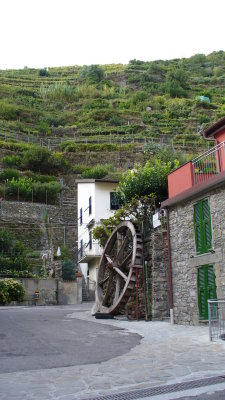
(96, 201)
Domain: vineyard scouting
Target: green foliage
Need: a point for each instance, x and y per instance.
(139, 97)
(11, 161)
(11, 290)
(94, 73)
(68, 270)
(139, 211)
(64, 253)
(60, 92)
(98, 172)
(20, 147)
(79, 168)
(163, 153)
(8, 111)
(144, 181)
(12, 254)
(43, 72)
(43, 127)
(41, 178)
(9, 174)
(40, 159)
(97, 105)
(81, 147)
(176, 82)
(28, 189)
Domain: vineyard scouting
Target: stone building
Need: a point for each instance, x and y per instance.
(196, 231)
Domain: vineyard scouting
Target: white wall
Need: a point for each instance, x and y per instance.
(84, 191)
(102, 200)
(100, 196)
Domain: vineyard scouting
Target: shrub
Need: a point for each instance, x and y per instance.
(43, 72)
(43, 127)
(11, 290)
(68, 270)
(144, 181)
(79, 169)
(41, 178)
(93, 73)
(9, 174)
(40, 159)
(59, 92)
(80, 147)
(11, 161)
(98, 172)
(40, 189)
(25, 186)
(8, 111)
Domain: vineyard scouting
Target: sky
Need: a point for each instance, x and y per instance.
(48, 33)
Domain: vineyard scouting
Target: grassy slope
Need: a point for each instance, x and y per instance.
(129, 102)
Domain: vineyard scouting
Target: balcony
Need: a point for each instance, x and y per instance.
(197, 171)
(87, 252)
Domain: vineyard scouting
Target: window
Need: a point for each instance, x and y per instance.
(90, 240)
(206, 289)
(81, 216)
(113, 201)
(89, 207)
(202, 226)
(81, 248)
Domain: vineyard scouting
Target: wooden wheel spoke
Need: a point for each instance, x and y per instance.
(126, 259)
(122, 247)
(101, 283)
(120, 273)
(117, 291)
(108, 289)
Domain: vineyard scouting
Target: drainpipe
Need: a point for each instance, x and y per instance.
(170, 267)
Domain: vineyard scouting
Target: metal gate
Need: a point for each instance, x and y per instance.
(216, 319)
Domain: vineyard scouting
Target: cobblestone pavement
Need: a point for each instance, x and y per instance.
(167, 354)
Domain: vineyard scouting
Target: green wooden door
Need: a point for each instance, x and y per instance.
(206, 289)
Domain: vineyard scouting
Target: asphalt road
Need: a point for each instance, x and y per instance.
(47, 337)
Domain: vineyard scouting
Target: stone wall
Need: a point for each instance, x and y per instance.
(155, 252)
(26, 221)
(185, 262)
(51, 292)
(159, 275)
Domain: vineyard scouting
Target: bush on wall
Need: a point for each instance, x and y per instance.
(68, 270)
(11, 290)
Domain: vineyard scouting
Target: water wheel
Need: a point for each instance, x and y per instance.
(116, 279)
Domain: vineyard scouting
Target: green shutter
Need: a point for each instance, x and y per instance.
(206, 222)
(197, 223)
(206, 289)
(202, 223)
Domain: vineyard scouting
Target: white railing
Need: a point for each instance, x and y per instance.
(209, 163)
(89, 251)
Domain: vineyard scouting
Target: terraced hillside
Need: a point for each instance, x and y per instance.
(58, 124)
(160, 100)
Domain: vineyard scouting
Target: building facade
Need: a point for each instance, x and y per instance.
(196, 231)
(96, 201)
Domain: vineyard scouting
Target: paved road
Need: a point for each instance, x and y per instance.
(166, 355)
(47, 337)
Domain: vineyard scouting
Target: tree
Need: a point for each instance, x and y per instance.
(93, 73)
(43, 72)
(139, 193)
(144, 181)
(136, 211)
(176, 82)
